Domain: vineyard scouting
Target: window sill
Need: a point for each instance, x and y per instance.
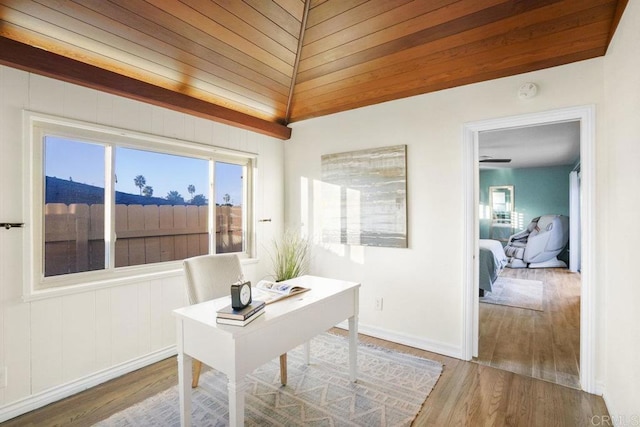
(99, 280)
(248, 261)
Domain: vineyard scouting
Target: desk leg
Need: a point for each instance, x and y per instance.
(307, 352)
(184, 386)
(283, 369)
(236, 402)
(353, 348)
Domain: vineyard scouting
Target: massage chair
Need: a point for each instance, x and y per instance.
(539, 244)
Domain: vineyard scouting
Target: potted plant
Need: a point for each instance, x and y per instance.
(290, 257)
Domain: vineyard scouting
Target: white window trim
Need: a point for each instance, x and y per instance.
(35, 286)
(248, 219)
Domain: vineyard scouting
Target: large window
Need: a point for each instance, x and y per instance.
(108, 203)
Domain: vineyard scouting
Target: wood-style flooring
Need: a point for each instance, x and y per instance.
(467, 394)
(540, 344)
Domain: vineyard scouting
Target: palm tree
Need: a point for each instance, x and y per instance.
(199, 200)
(191, 189)
(226, 198)
(147, 191)
(175, 197)
(139, 181)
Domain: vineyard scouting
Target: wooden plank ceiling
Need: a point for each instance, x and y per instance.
(262, 64)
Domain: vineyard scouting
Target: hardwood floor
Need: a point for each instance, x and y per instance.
(540, 344)
(467, 394)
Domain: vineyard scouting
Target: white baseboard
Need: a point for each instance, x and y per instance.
(54, 394)
(410, 340)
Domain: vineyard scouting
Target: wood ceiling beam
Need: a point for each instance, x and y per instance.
(294, 75)
(28, 58)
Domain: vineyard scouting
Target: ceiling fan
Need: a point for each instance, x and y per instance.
(490, 159)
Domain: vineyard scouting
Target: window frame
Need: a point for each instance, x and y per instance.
(248, 221)
(37, 125)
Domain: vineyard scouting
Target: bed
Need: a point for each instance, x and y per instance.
(492, 261)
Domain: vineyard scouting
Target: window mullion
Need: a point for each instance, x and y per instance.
(245, 213)
(109, 208)
(212, 208)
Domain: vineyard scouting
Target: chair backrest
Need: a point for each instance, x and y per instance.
(211, 276)
(558, 228)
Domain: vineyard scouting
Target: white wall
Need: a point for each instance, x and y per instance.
(622, 101)
(53, 346)
(422, 286)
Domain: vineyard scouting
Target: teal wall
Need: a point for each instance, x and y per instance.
(537, 191)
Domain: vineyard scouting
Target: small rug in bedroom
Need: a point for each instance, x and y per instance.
(390, 390)
(519, 293)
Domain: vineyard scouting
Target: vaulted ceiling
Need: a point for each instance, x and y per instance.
(262, 64)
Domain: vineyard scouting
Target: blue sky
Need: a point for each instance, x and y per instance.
(84, 163)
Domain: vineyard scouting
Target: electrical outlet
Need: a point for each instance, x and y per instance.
(3, 377)
(378, 306)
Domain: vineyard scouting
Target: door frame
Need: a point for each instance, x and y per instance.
(574, 220)
(588, 302)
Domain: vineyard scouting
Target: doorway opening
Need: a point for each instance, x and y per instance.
(585, 116)
(529, 312)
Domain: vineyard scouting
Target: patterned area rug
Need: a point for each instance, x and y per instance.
(519, 293)
(390, 390)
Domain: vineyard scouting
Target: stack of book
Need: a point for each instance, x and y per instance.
(229, 316)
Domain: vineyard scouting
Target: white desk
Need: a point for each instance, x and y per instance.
(237, 351)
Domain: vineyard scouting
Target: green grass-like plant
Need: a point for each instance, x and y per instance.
(291, 256)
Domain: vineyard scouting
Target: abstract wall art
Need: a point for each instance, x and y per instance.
(364, 197)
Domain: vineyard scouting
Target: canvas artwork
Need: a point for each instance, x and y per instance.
(364, 196)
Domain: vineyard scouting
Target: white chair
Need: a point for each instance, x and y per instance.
(539, 244)
(209, 277)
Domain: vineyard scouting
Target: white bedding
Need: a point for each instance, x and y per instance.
(492, 261)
